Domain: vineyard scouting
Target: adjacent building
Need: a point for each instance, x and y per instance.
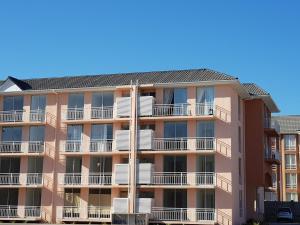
(289, 150)
(175, 147)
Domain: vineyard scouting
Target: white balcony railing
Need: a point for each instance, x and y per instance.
(100, 179)
(72, 179)
(203, 109)
(291, 185)
(73, 146)
(14, 212)
(11, 116)
(184, 178)
(105, 112)
(171, 109)
(25, 179)
(101, 145)
(184, 143)
(183, 214)
(88, 213)
(75, 114)
(37, 115)
(22, 146)
(10, 146)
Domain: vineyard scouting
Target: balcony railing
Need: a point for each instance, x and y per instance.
(90, 213)
(184, 178)
(9, 178)
(26, 179)
(75, 114)
(100, 179)
(11, 116)
(105, 112)
(37, 115)
(290, 166)
(73, 146)
(203, 109)
(101, 145)
(179, 144)
(10, 146)
(14, 212)
(292, 186)
(36, 147)
(72, 179)
(171, 109)
(183, 214)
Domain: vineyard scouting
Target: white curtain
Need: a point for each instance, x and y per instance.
(168, 95)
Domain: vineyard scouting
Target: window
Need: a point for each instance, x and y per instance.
(241, 202)
(102, 99)
(206, 199)
(12, 134)
(240, 171)
(274, 180)
(291, 180)
(38, 103)
(206, 129)
(102, 132)
(37, 133)
(289, 142)
(292, 196)
(205, 100)
(175, 96)
(74, 132)
(76, 101)
(175, 130)
(13, 103)
(206, 164)
(290, 161)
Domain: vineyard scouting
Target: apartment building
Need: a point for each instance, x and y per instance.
(289, 150)
(138, 148)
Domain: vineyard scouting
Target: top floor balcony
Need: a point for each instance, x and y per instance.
(19, 116)
(93, 113)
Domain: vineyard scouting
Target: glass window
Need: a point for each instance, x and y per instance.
(102, 131)
(205, 95)
(13, 103)
(291, 180)
(12, 134)
(175, 164)
(290, 161)
(74, 132)
(205, 129)
(76, 101)
(73, 165)
(274, 179)
(292, 196)
(206, 199)
(37, 133)
(175, 96)
(206, 163)
(175, 198)
(38, 102)
(175, 130)
(103, 99)
(289, 141)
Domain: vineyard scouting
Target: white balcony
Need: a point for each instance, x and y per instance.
(26, 179)
(161, 110)
(73, 146)
(11, 116)
(106, 112)
(291, 185)
(203, 109)
(200, 179)
(290, 166)
(180, 144)
(22, 147)
(101, 145)
(73, 114)
(37, 116)
(78, 179)
(89, 213)
(13, 212)
(183, 215)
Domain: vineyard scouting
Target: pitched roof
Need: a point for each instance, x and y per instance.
(105, 80)
(254, 89)
(288, 124)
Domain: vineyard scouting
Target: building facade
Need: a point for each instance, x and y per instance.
(289, 150)
(154, 147)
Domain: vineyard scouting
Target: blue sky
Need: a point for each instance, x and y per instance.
(257, 41)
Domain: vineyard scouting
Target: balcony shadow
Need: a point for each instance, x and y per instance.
(223, 218)
(223, 148)
(224, 183)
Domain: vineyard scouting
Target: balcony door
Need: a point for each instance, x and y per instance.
(102, 132)
(175, 130)
(175, 163)
(76, 101)
(100, 165)
(102, 99)
(9, 196)
(9, 165)
(11, 134)
(205, 100)
(13, 103)
(206, 163)
(35, 164)
(206, 199)
(38, 103)
(37, 134)
(73, 165)
(33, 197)
(205, 129)
(176, 99)
(74, 132)
(175, 198)
(72, 197)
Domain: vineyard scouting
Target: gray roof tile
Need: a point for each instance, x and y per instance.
(254, 89)
(288, 124)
